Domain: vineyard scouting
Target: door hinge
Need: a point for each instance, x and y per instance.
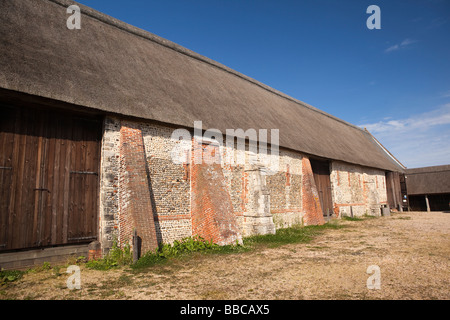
(84, 172)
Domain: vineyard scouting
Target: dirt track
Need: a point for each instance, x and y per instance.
(411, 249)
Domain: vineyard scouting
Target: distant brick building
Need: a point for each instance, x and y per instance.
(87, 141)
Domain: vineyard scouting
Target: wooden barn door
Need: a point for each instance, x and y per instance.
(48, 178)
(393, 189)
(321, 171)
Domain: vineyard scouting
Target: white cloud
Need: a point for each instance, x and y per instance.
(407, 42)
(418, 140)
(401, 45)
(392, 48)
(423, 121)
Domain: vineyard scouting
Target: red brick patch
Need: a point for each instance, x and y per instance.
(212, 209)
(135, 202)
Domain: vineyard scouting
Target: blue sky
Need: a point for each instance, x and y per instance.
(395, 81)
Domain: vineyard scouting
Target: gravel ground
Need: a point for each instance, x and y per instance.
(412, 251)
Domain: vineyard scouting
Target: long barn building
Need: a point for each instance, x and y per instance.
(93, 133)
(428, 188)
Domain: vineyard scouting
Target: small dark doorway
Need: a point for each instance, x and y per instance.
(321, 171)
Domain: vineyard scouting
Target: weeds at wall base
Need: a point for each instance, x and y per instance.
(118, 257)
(187, 246)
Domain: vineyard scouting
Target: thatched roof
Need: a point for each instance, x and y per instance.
(428, 180)
(111, 66)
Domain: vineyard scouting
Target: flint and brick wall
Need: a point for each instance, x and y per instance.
(285, 188)
(357, 190)
(173, 193)
(170, 185)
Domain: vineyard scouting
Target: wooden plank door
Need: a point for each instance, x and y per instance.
(393, 189)
(42, 203)
(321, 171)
(7, 143)
(83, 181)
(19, 152)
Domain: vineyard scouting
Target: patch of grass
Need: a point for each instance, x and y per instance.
(46, 266)
(7, 276)
(294, 234)
(347, 218)
(368, 216)
(360, 218)
(40, 268)
(185, 246)
(148, 260)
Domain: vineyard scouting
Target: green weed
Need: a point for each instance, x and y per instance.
(177, 249)
(116, 257)
(10, 276)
